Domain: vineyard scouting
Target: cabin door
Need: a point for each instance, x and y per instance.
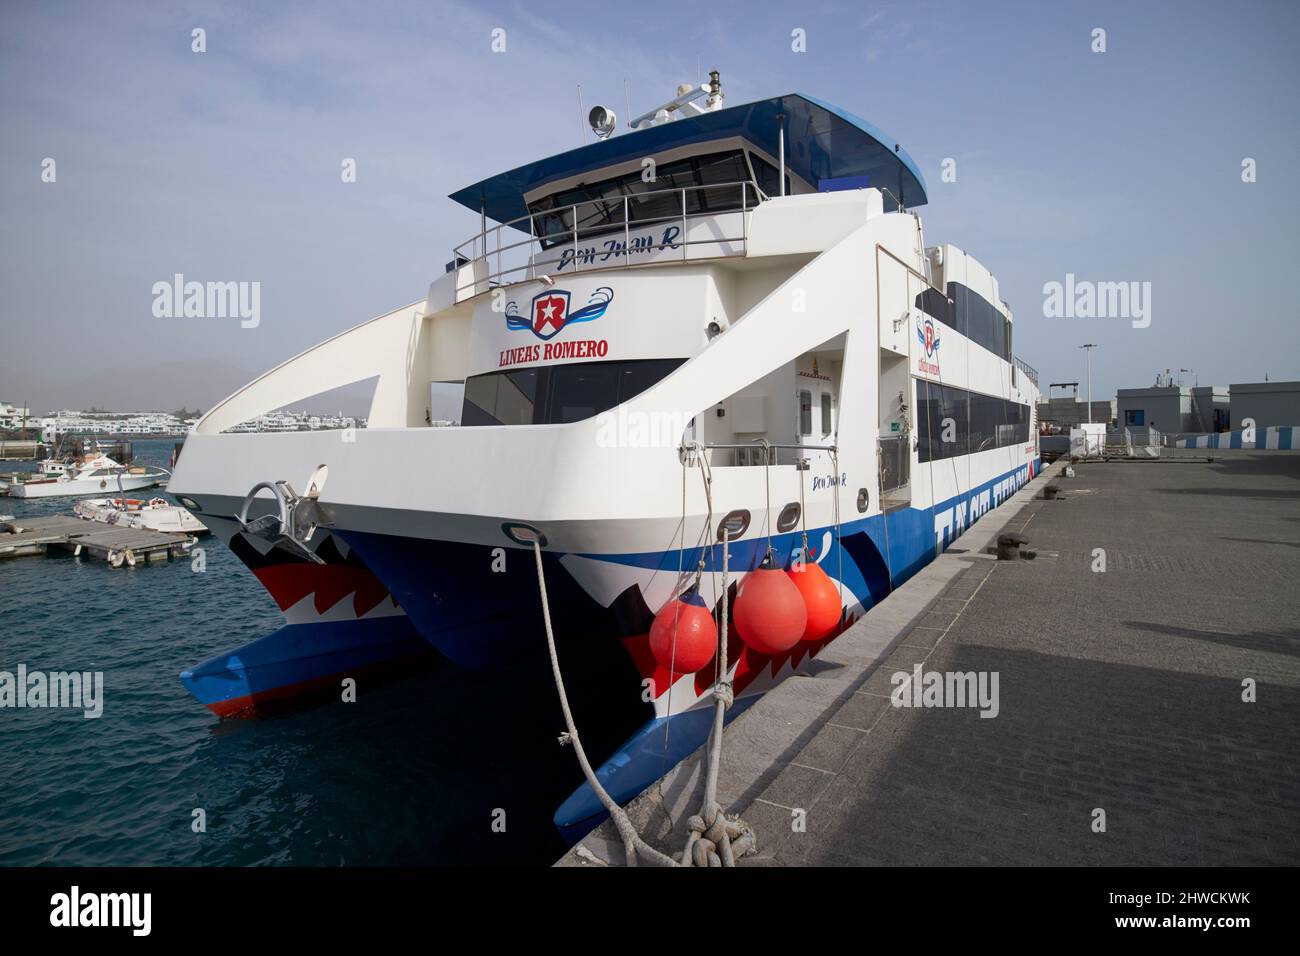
(816, 413)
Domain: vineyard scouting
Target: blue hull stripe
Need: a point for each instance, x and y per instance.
(912, 545)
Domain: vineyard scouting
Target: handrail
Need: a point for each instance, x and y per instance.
(1028, 369)
(762, 444)
(492, 242)
(768, 447)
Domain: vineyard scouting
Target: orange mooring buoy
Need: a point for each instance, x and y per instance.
(821, 599)
(697, 635)
(769, 611)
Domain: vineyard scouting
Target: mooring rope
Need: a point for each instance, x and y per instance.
(634, 847)
(839, 532)
(804, 464)
(706, 476)
(713, 839)
(767, 488)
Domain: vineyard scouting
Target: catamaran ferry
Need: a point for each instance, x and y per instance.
(712, 359)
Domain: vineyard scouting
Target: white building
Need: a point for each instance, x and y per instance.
(12, 416)
(137, 424)
(1266, 403)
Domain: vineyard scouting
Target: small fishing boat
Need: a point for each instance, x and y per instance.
(82, 476)
(156, 514)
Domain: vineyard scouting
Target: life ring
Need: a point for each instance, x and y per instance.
(103, 483)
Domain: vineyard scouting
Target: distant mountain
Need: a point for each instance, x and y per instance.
(162, 387)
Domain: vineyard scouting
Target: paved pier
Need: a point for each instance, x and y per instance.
(1118, 689)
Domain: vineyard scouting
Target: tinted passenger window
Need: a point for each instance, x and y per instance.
(581, 391)
(516, 395)
(936, 305)
(638, 376)
(480, 400)
(959, 293)
(560, 393)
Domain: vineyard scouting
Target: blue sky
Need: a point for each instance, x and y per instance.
(1117, 166)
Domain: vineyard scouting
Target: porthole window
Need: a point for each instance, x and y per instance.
(788, 518)
(734, 525)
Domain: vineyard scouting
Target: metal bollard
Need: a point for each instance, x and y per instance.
(1009, 546)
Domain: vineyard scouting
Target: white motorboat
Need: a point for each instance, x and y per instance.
(156, 514)
(83, 476)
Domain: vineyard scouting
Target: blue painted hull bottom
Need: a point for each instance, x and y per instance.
(298, 660)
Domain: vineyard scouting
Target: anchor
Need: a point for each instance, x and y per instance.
(295, 519)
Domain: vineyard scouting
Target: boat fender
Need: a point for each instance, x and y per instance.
(820, 597)
(688, 619)
(769, 612)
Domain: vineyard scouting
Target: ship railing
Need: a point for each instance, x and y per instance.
(1030, 372)
(608, 234)
(761, 452)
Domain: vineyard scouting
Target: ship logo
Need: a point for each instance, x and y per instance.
(927, 336)
(550, 313)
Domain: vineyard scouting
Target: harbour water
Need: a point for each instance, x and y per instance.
(445, 766)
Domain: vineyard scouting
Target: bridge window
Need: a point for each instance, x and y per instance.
(600, 204)
(767, 177)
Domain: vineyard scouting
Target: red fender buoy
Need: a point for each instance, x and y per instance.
(769, 611)
(821, 599)
(697, 635)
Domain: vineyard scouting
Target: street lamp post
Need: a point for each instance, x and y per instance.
(1088, 348)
